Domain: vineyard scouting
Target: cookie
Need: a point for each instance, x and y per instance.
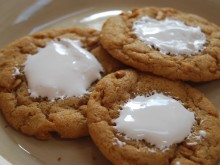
(39, 116)
(120, 38)
(106, 103)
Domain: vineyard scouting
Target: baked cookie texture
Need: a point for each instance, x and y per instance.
(40, 117)
(116, 88)
(118, 39)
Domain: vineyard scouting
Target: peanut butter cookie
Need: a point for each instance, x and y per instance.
(201, 146)
(40, 116)
(150, 39)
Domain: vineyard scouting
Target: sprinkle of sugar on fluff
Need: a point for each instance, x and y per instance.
(166, 149)
(16, 72)
(178, 163)
(151, 149)
(203, 133)
(199, 138)
(118, 142)
(192, 143)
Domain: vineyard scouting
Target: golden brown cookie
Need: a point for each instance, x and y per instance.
(117, 88)
(118, 38)
(39, 116)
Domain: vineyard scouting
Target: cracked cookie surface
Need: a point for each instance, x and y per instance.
(40, 117)
(117, 88)
(118, 39)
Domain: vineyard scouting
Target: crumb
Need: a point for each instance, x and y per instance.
(59, 159)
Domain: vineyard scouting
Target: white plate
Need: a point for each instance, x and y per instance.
(19, 18)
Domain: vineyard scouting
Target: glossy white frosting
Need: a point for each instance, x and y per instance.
(170, 36)
(61, 69)
(158, 119)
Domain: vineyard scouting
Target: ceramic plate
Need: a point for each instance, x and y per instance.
(19, 18)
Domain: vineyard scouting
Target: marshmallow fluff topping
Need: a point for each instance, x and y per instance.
(170, 36)
(61, 69)
(158, 119)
